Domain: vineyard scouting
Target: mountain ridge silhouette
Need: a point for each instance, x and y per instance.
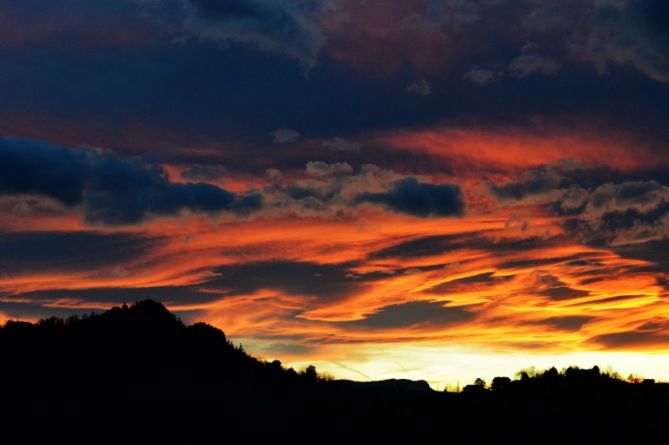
(138, 374)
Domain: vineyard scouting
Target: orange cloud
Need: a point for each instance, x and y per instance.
(511, 283)
(508, 149)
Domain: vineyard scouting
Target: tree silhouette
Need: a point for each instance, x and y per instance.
(500, 383)
(310, 373)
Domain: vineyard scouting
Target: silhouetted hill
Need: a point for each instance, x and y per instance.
(139, 375)
(390, 386)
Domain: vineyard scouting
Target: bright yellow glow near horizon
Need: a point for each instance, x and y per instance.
(451, 366)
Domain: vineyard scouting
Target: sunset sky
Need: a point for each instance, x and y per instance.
(424, 189)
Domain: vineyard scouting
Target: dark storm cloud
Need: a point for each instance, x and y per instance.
(654, 252)
(28, 167)
(605, 34)
(563, 293)
(118, 100)
(324, 281)
(279, 26)
(467, 284)
(662, 280)
(567, 323)
(595, 272)
(438, 244)
(214, 91)
(115, 295)
(37, 310)
(273, 25)
(604, 206)
(621, 227)
(76, 26)
(644, 196)
(424, 246)
(419, 35)
(332, 188)
(419, 199)
(432, 36)
(651, 333)
(559, 176)
(415, 313)
(110, 189)
(328, 281)
(630, 339)
(616, 299)
(551, 286)
(202, 172)
(534, 263)
(40, 252)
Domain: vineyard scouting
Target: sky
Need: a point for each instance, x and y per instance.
(424, 189)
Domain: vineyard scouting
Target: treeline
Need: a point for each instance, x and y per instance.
(137, 374)
(571, 376)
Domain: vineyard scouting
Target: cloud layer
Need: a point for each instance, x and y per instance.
(109, 189)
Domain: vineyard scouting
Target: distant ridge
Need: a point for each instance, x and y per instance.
(137, 374)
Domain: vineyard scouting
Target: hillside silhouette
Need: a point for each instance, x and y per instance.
(138, 374)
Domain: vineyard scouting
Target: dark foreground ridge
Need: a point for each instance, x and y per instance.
(139, 375)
